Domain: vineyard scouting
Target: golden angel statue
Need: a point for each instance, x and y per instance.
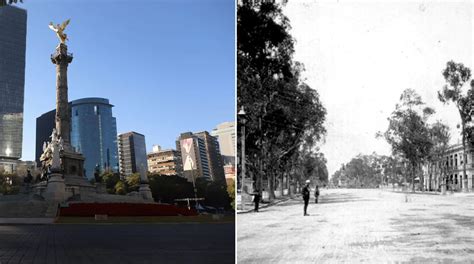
(59, 29)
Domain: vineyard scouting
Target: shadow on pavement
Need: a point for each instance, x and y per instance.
(330, 198)
(341, 198)
(462, 220)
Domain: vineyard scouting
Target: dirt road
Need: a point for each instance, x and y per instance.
(372, 226)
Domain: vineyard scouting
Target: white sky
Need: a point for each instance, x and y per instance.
(361, 55)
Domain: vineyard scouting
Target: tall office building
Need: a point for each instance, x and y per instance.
(132, 153)
(93, 133)
(201, 156)
(12, 80)
(225, 134)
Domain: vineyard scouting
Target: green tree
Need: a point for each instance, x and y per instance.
(456, 75)
(110, 180)
(314, 167)
(213, 192)
(133, 182)
(282, 111)
(395, 170)
(166, 189)
(408, 132)
(369, 171)
(440, 136)
(120, 188)
(231, 192)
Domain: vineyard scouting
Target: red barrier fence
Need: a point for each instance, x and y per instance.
(124, 209)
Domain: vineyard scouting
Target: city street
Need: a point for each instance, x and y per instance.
(360, 225)
(118, 243)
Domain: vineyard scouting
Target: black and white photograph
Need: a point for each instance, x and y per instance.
(355, 132)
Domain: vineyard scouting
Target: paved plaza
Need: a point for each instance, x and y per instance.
(118, 243)
(352, 226)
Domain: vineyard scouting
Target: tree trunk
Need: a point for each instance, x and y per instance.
(271, 185)
(280, 183)
(443, 183)
(413, 168)
(422, 178)
(429, 182)
(288, 176)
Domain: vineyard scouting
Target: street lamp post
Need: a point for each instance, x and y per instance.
(243, 120)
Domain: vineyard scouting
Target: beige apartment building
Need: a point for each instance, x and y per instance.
(164, 161)
(229, 170)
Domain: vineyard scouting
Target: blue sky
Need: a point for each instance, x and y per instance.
(167, 66)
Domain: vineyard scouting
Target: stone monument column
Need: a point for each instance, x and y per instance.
(63, 115)
(144, 189)
(71, 162)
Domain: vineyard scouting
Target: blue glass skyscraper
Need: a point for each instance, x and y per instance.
(12, 80)
(93, 133)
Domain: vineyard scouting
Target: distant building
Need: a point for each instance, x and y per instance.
(200, 156)
(12, 81)
(93, 133)
(164, 161)
(448, 170)
(17, 166)
(132, 153)
(229, 170)
(225, 133)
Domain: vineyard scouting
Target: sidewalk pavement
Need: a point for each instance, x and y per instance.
(26, 221)
(457, 193)
(249, 207)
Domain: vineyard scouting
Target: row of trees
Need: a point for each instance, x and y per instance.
(370, 171)
(416, 139)
(284, 116)
(413, 137)
(166, 189)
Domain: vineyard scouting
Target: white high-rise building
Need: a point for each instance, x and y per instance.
(225, 134)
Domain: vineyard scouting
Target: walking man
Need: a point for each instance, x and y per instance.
(316, 194)
(256, 199)
(306, 196)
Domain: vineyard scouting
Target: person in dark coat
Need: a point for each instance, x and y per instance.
(256, 199)
(306, 196)
(316, 194)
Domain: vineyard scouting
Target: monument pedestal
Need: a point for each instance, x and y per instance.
(56, 189)
(145, 191)
(72, 163)
(73, 170)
